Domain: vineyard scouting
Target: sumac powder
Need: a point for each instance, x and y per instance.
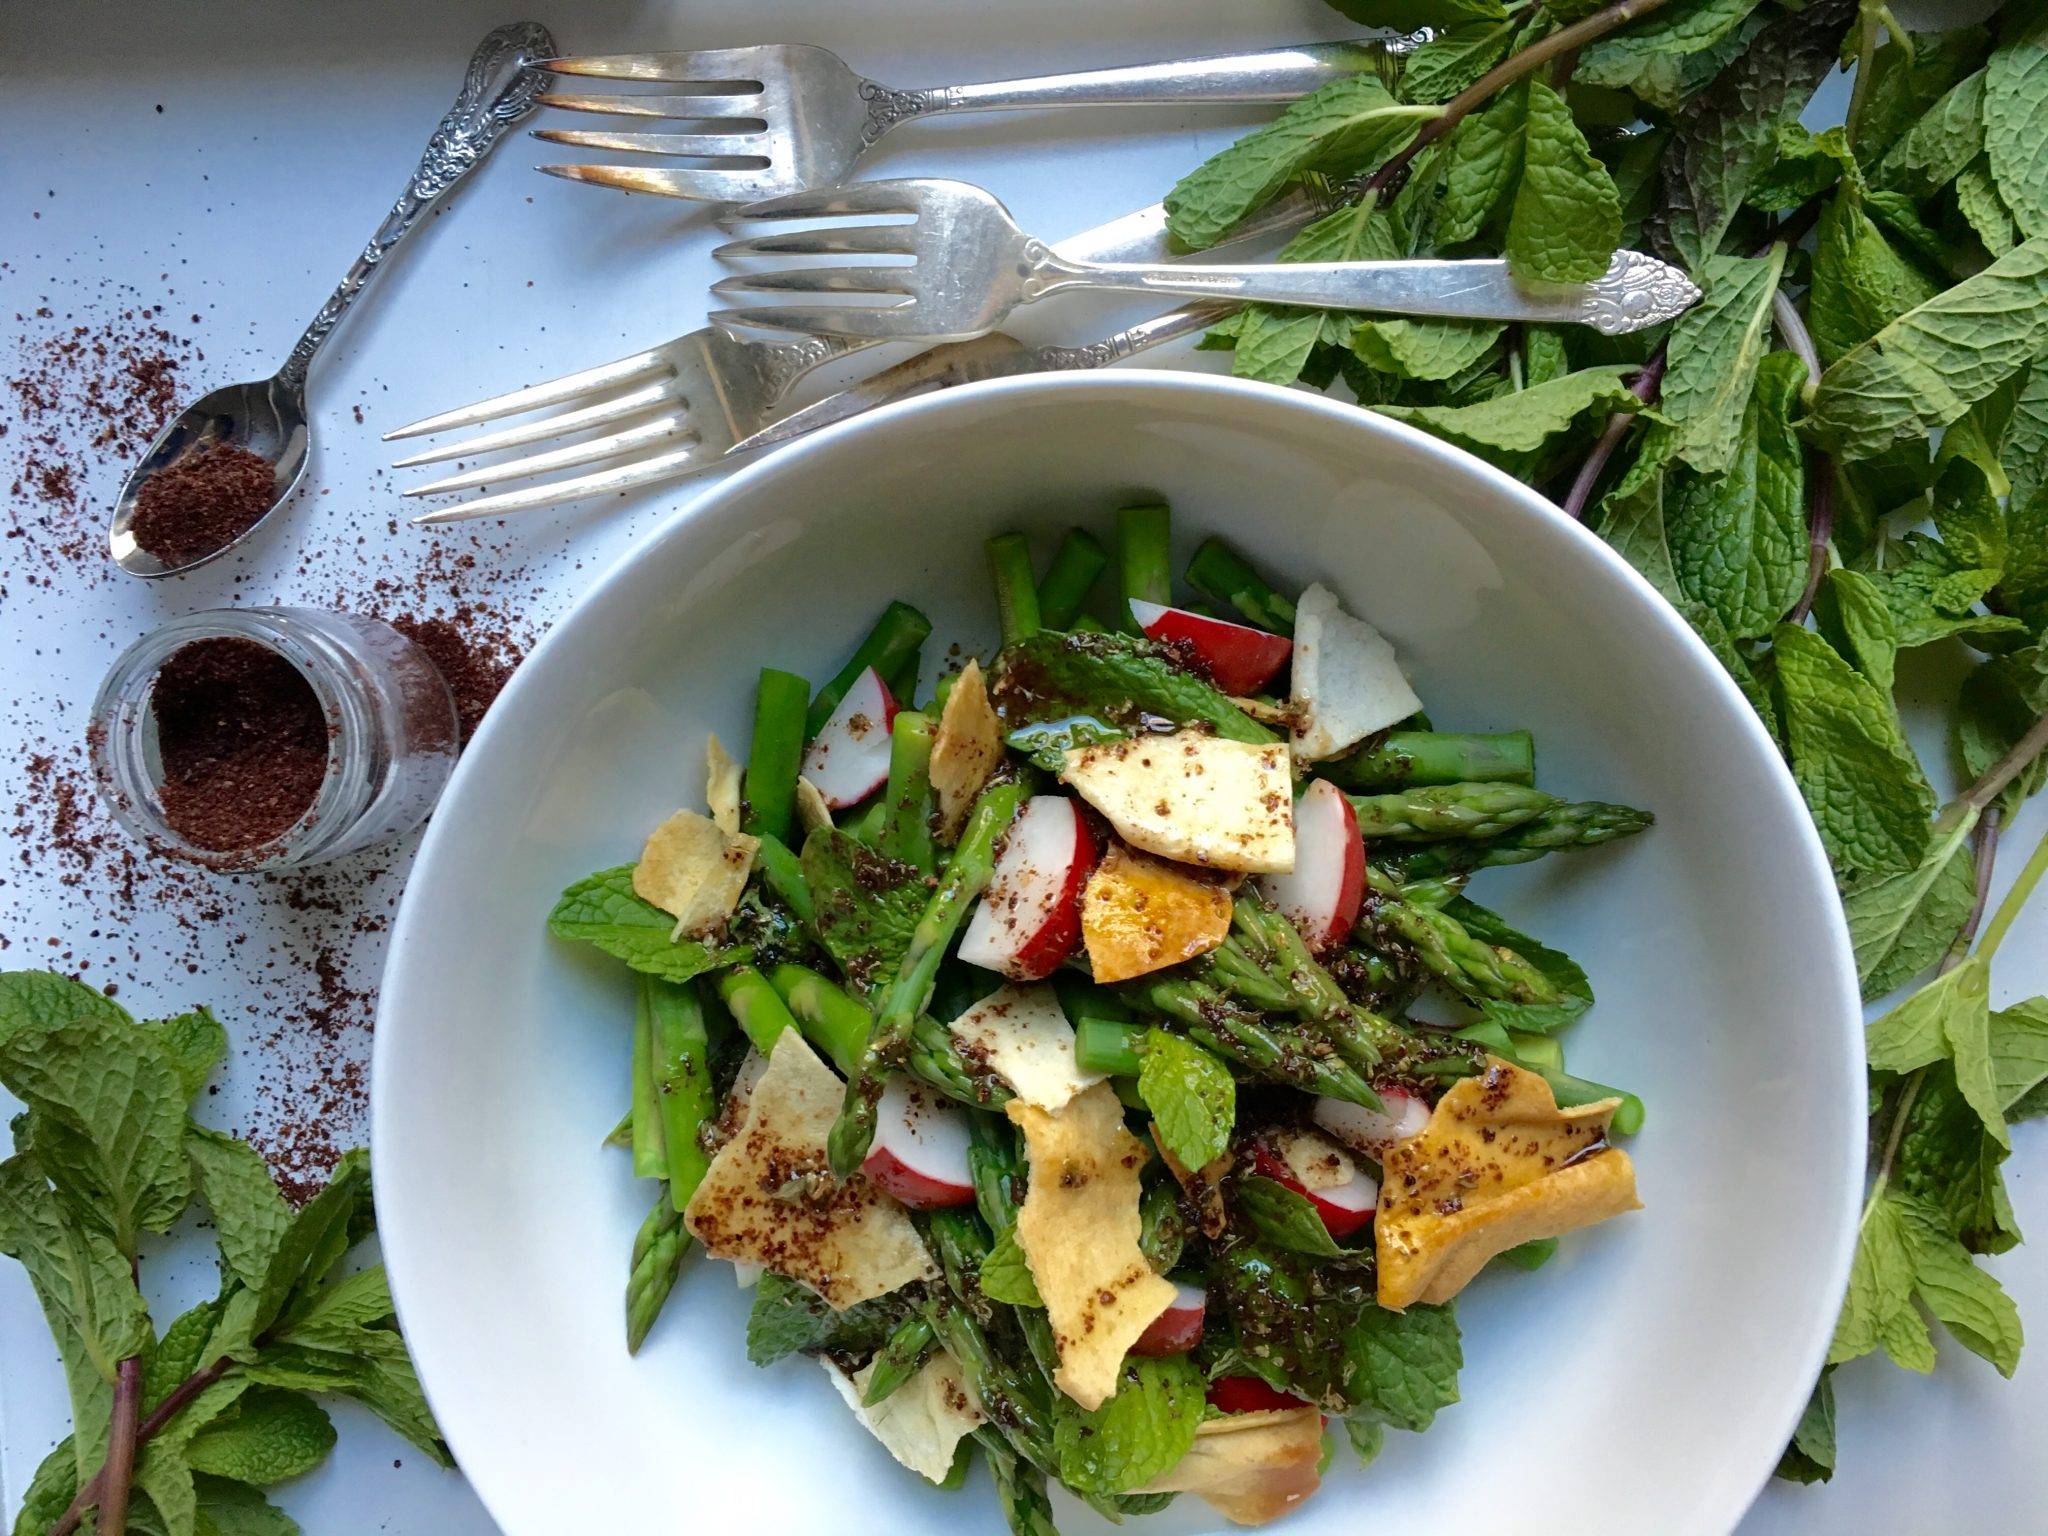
(242, 740)
(201, 502)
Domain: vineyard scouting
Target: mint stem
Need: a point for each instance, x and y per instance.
(161, 1415)
(118, 1475)
(1644, 386)
(2016, 898)
(2010, 766)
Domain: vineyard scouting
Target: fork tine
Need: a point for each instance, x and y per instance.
(869, 322)
(839, 240)
(673, 465)
(604, 413)
(705, 186)
(644, 434)
(831, 203)
(626, 370)
(752, 145)
(702, 108)
(689, 66)
(816, 280)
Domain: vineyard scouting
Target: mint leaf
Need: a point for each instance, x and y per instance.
(1906, 78)
(1947, 1281)
(1880, 1290)
(319, 1234)
(49, 1491)
(602, 910)
(1284, 1218)
(1143, 1429)
(1275, 343)
(1341, 126)
(1902, 923)
(1424, 349)
(1643, 57)
(1368, 1437)
(108, 1111)
(1455, 58)
(2015, 105)
(1715, 348)
(1935, 149)
(1850, 757)
(1852, 616)
(1922, 1028)
(865, 903)
(1565, 223)
(373, 1369)
(1558, 968)
(1739, 540)
(1523, 422)
(45, 998)
(81, 1279)
(1485, 161)
(250, 1217)
(788, 1318)
(2024, 452)
(235, 1509)
(2023, 581)
(2000, 700)
(1984, 210)
(1006, 1274)
(1951, 1167)
(2019, 1055)
(1931, 364)
(1810, 1458)
(197, 1044)
(270, 1435)
(1192, 1097)
(1403, 1366)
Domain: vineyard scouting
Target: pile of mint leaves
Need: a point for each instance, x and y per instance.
(178, 1431)
(1839, 455)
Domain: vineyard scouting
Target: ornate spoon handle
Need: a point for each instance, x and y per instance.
(499, 89)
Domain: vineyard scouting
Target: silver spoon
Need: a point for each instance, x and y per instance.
(269, 417)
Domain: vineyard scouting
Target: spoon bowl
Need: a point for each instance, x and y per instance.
(267, 418)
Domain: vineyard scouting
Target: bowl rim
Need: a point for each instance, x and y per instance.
(1838, 957)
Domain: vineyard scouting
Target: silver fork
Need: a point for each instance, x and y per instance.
(685, 405)
(786, 117)
(958, 265)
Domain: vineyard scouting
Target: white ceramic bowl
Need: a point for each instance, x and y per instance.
(1644, 1381)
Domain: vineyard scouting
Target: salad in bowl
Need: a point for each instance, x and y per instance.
(1096, 1062)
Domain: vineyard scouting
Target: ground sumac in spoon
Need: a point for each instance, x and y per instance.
(243, 742)
(200, 502)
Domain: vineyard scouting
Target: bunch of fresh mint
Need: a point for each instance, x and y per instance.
(178, 1433)
(1770, 461)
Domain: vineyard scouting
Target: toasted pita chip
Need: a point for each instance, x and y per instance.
(1021, 1034)
(722, 786)
(769, 1196)
(1193, 797)
(1250, 1467)
(694, 872)
(1140, 914)
(965, 750)
(811, 810)
(1498, 1165)
(1347, 682)
(922, 1422)
(1079, 1231)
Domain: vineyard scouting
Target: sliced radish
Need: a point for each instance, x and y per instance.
(1248, 1394)
(1314, 1167)
(1241, 659)
(849, 758)
(1029, 919)
(1368, 1130)
(1179, 1328)
(920, 1149)
(1321, 895)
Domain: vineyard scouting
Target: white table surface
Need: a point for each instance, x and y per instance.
(226, 161)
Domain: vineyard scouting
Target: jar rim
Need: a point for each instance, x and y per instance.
(123, 705)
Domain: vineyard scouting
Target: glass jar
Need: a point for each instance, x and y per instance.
(392, 733)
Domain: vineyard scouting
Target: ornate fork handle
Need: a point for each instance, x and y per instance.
(499, 89)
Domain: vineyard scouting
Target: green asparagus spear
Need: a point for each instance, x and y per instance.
(784, 872)
(1009, 566)
(682, 1080)
(1437, 811)
(755, 1004)
(1583, 824)
(996, 1168)
(658, 1253)
(1219, 573)
(1008, 1399)
(1411, 759)
(966, 876)
(1105, 1045)
(907, 823)
(1019, 1486)
(897, 633)
(1262, 1047)
(1143, 535)
(902, 682)
(1478, 971)
(831, 1018)
(621, 1135)
(777, 751)
(1076, 566)
(650, 1153)
(900, 1358)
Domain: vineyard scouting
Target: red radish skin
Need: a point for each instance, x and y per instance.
(1240, 659)
(1344, 1210)
(1322, 894)
(1029, 919)
(920, 1151)
(1248, 1394)
(1369, 1131)
(849, 758)
(1179, 1328)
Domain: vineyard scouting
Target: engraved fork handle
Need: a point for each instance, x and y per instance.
(479, 118)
